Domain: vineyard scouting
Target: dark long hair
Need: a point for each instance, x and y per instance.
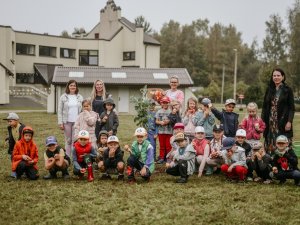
(271, 90)
(67, 91)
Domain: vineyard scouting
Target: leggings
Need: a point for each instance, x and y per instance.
(69, 136)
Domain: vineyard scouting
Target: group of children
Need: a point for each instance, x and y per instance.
(189, 142)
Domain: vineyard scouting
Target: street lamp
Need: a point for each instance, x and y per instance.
(235, 74)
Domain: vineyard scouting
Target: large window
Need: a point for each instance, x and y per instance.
(128, 56)
(67, 53)
(47, 51)
(25, 49)
(88, 57)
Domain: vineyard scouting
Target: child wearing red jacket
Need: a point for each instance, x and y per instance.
(25, 156)
(83, 153)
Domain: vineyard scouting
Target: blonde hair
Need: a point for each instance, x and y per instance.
(253, 106)
(94, 93)
(187, 104)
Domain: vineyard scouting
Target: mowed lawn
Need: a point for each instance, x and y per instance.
(208, 200)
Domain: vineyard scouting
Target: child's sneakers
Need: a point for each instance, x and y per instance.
(105, 176)
(121, 177)
(13, 174)
(249, 179)
(209, 171)
(181, 180)
(161, 161)
(131, 181)
(50, 176)
(268, 181)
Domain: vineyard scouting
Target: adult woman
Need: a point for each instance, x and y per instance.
(278, 110)
(69, 107)
(174, 93)
(98, 96)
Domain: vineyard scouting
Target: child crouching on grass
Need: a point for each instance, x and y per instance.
(183, 164)
(83, 153)
(25, 156)
(141, 156)
(112, 159)
(235, 167)
(55, 159)
(285, 162)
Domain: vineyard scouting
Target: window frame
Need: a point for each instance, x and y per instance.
(88, 57)
(129, 56)
(25, 45)
(50, 47)
(70, 50)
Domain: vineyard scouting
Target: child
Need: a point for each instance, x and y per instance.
(201, 145)
(261, 163)
(174, 116)
(234, 166)
(112, 159)
(205, 118)
(184, 159)
(109, 120)
(102, 145)
(25, 156)
(188, 117)
(55, 159)
(82, 153)
(227, 117)
(253, 124)
(141, 156)
(152, 128)
(178, 128)
(86, 120)
(164, 129)
(240, 138)
(15, 129)
(285, 162)
(215, 159)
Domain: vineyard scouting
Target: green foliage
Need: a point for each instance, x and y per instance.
(254, 94)
(141, 106)
(140, 21)
(213, 91)
(65, 33)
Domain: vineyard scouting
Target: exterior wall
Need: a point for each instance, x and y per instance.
(152, 56)
(7, 58)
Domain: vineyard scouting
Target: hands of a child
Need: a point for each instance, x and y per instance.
(51, 160)
(112, 153)
(110, 133)
(30, 161)
(26, 157)
(229, 154)
(259, 157)
(167, 165)
(81, 156)
(275, 170)
(56, 156)
(143, 171)
(101, 150)
(199, 174)
(127, 149)
(229, 170)
(82, 170)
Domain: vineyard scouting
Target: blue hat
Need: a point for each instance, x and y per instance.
(228, 143)
(51, 140)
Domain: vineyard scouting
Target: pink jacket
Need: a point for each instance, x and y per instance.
(248, 124)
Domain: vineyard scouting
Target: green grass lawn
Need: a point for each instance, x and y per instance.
(208, 200)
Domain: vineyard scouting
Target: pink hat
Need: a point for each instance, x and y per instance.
(178, 126)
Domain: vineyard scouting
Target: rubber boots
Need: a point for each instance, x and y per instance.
(90, 176)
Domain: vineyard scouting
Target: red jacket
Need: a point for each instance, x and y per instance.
(248, 124)
(24, 148)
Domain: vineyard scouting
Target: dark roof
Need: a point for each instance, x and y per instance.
(131, 26)
(46, 71)
(127, 76)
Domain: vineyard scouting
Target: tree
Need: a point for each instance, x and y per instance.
(294, 40)
(275, 43)
(213, 91)
(140, 21)
(79, 30)
(65, 33)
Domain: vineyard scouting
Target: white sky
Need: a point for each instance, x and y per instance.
(54, 16)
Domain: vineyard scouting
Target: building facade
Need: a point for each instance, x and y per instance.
(30, 59)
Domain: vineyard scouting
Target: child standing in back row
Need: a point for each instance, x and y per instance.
(164, 129)
(188, 118)
(253, 124)
(109, 120)
(227, 117)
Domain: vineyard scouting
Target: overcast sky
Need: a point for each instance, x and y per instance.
(54, 16)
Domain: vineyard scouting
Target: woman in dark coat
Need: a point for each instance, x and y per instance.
(278, 110)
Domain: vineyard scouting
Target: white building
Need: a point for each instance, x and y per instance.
(29, 58)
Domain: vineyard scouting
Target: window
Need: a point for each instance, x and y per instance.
(88, 57)
(25, 49)
(128, 56)
(47, 51)
(67, 53)
(96, 35)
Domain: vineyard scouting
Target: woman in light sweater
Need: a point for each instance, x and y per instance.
(69, 107)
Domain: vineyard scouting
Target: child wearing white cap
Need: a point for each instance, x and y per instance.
(112, 159)
(285, 162)
(228, 118)
(14, 129)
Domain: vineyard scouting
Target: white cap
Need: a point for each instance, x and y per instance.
(230, 101)
(12, 116)
(240, 133)
(83, 134)
(282, 139)
(140, 131)
(199, 129)
(112, 139)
